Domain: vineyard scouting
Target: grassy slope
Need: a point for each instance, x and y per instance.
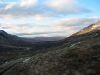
(82, 58)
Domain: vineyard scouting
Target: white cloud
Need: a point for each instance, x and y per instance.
(33, 28)
(40, 23)
(18, 5)
(28, 3)
(9, 6)
(39, 17)
(8, 18)
(28, 7)
(69, 6)
(57, 28)
(61, 4)
(73, 25)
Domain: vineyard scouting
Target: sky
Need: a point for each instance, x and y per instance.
(33, 18)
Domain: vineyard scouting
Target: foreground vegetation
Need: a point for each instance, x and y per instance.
(82, 58)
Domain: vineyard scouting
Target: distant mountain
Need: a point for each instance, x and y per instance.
(8, 39)
(37, 39)
(78, 54)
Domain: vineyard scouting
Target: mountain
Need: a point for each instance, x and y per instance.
(78, 54)
(8, 39)
(89, 29)
(12, 46)
(85, 34)
(41, 39)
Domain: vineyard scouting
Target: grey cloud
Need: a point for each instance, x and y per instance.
(38, 33)
(79, 22)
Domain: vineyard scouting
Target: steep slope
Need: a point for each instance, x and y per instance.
(8, 39)
(3, 37)
(80, 57)
(89, 29)
(85, 34)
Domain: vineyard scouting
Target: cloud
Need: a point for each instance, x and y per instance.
(38, 33)
(8, 26)
(18, 7)
(7, 17)
(9, 6)
(28, 3)
(6, 5)
(40, 17)
(50, 7)
(40, 24)
(53, 27)
(77, 23)
(66, 6)
(30, 17)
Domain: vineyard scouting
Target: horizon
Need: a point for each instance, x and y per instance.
(47, 18)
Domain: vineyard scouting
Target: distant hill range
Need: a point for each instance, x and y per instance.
(8, 39)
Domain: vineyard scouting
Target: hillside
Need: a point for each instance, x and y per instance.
(89, 29)
(14, 47)
(79, 54)
(13, 40)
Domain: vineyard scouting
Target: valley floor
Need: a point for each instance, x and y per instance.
(81, 58)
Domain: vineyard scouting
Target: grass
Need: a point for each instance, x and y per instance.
(83, 59)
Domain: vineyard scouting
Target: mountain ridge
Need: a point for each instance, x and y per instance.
(91, 28)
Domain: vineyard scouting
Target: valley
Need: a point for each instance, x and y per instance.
(78, 54)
